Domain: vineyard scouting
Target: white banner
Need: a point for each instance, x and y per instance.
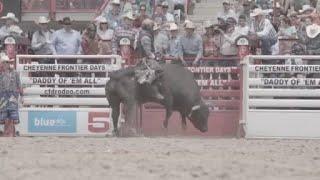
(214, 69)
(67, 67)
(300, 82)
(285, 68)
(64, 91)
(63, 81)
(65, 122)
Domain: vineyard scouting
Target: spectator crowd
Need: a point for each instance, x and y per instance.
(271, 28)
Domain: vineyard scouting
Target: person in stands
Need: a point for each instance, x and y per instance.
(227, 11)
(105, 35)
(158, 16)
(262, 29)
(125, 33)
(209, 47)
(191, 45)
(90, 40)
(166, 13)
(10, 27)
(242, 28)
(42, 38)
(113, 15)
(174, 42)
(10, 89)
(142, 16)
(160, 40)
(66, 41)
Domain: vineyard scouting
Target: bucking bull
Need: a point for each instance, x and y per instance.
(177, 85)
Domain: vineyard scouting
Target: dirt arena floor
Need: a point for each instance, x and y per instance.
(53, 158)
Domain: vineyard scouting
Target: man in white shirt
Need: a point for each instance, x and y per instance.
(169, 16)
(227, 11)
(263, 30)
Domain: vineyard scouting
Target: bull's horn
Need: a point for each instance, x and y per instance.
(196, 107)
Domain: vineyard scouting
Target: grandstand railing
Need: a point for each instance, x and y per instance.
(281, 98)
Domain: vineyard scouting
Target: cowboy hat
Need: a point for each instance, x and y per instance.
(10, 15)
(15, 29)
(313, 30)
(128, 15)
(115, 2)
(257, 12)
(165, 4)
(42, 20)
(305, 8)
(173, 27)
(102, 20)
(190, 25)
(226, 2)
(207, 24)
(5, 58)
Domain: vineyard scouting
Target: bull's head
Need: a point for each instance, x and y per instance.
(199, 116)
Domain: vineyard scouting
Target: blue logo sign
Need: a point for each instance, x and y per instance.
(52, 121)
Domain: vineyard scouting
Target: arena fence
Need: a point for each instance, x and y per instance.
(281, 96)
(64, 95)
(219, 79)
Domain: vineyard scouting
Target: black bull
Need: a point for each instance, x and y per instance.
(176, 84)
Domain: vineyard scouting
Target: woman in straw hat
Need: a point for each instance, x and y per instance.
(42, 38)
(10, 26)
(9, 94)
(105, 35)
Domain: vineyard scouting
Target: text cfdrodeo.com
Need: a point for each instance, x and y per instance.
(66, 92)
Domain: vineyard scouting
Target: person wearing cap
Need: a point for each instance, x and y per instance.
(113, 15)
(10, 25)
(90, 40)
(191, 45)
(158, 16)
(174, 42)
(245, 11)
(262, 29)
(142, 15)
(227, 11)
(10, 89)
(169, 16)
(42, 38)
(310, 12)
(160, 40)
(66, 41)
(242, 28)
(105, 35)
(126, 30)
(209, 47)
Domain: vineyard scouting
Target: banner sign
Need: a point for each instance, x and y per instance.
(63, 81)
(65, 122)
(212, 82)
(63, 91)
(66, 67)
(284, 82)
(205, 69)
(285, 68)
(52, 122)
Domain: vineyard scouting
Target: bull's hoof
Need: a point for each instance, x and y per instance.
(115, 133)
(165, 124)
(184, 126)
